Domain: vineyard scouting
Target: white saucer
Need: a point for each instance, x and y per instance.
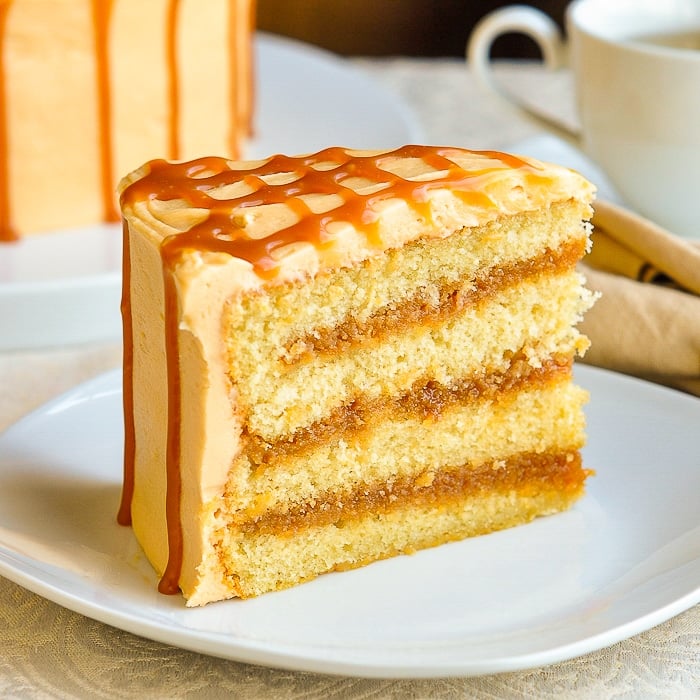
(625, 558)
(64, 287)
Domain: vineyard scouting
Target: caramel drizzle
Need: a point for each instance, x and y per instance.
(101, 14)
(124, 514)
(194, 180)
(6, 231)
(169, 582)
(173, 84)
(242, 78)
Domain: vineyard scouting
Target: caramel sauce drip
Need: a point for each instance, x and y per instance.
(124, 515)
(193, 181)
(241, 31)
(173, 85)
(6, 232)
(101, 13)
(169, 582)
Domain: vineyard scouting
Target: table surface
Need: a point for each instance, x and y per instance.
(49, 652)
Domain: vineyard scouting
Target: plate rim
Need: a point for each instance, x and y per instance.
(27, 573)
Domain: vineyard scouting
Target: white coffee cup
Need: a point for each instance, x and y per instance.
(637, 75)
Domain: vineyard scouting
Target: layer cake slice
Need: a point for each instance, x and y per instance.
(343, 356)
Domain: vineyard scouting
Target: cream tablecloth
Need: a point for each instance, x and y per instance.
(49, 652)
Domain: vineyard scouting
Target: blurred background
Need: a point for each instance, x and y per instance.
(395, 27)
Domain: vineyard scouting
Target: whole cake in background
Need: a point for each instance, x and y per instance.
(90, 89)
(339, 357)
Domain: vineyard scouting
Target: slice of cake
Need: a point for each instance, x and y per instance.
(339, 357)
(90, 89)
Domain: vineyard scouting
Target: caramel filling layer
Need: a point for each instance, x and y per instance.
(425, 308)
(524, 474)
(426, 399)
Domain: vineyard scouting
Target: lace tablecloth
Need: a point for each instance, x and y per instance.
(49, 652)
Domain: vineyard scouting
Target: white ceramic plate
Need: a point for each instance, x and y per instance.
(625, 558)
(64, 287)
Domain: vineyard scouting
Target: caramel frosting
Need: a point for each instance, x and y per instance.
(286, 218)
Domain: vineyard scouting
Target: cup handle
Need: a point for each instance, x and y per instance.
(545, 32)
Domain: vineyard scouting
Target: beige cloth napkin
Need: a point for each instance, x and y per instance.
(647, 320)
